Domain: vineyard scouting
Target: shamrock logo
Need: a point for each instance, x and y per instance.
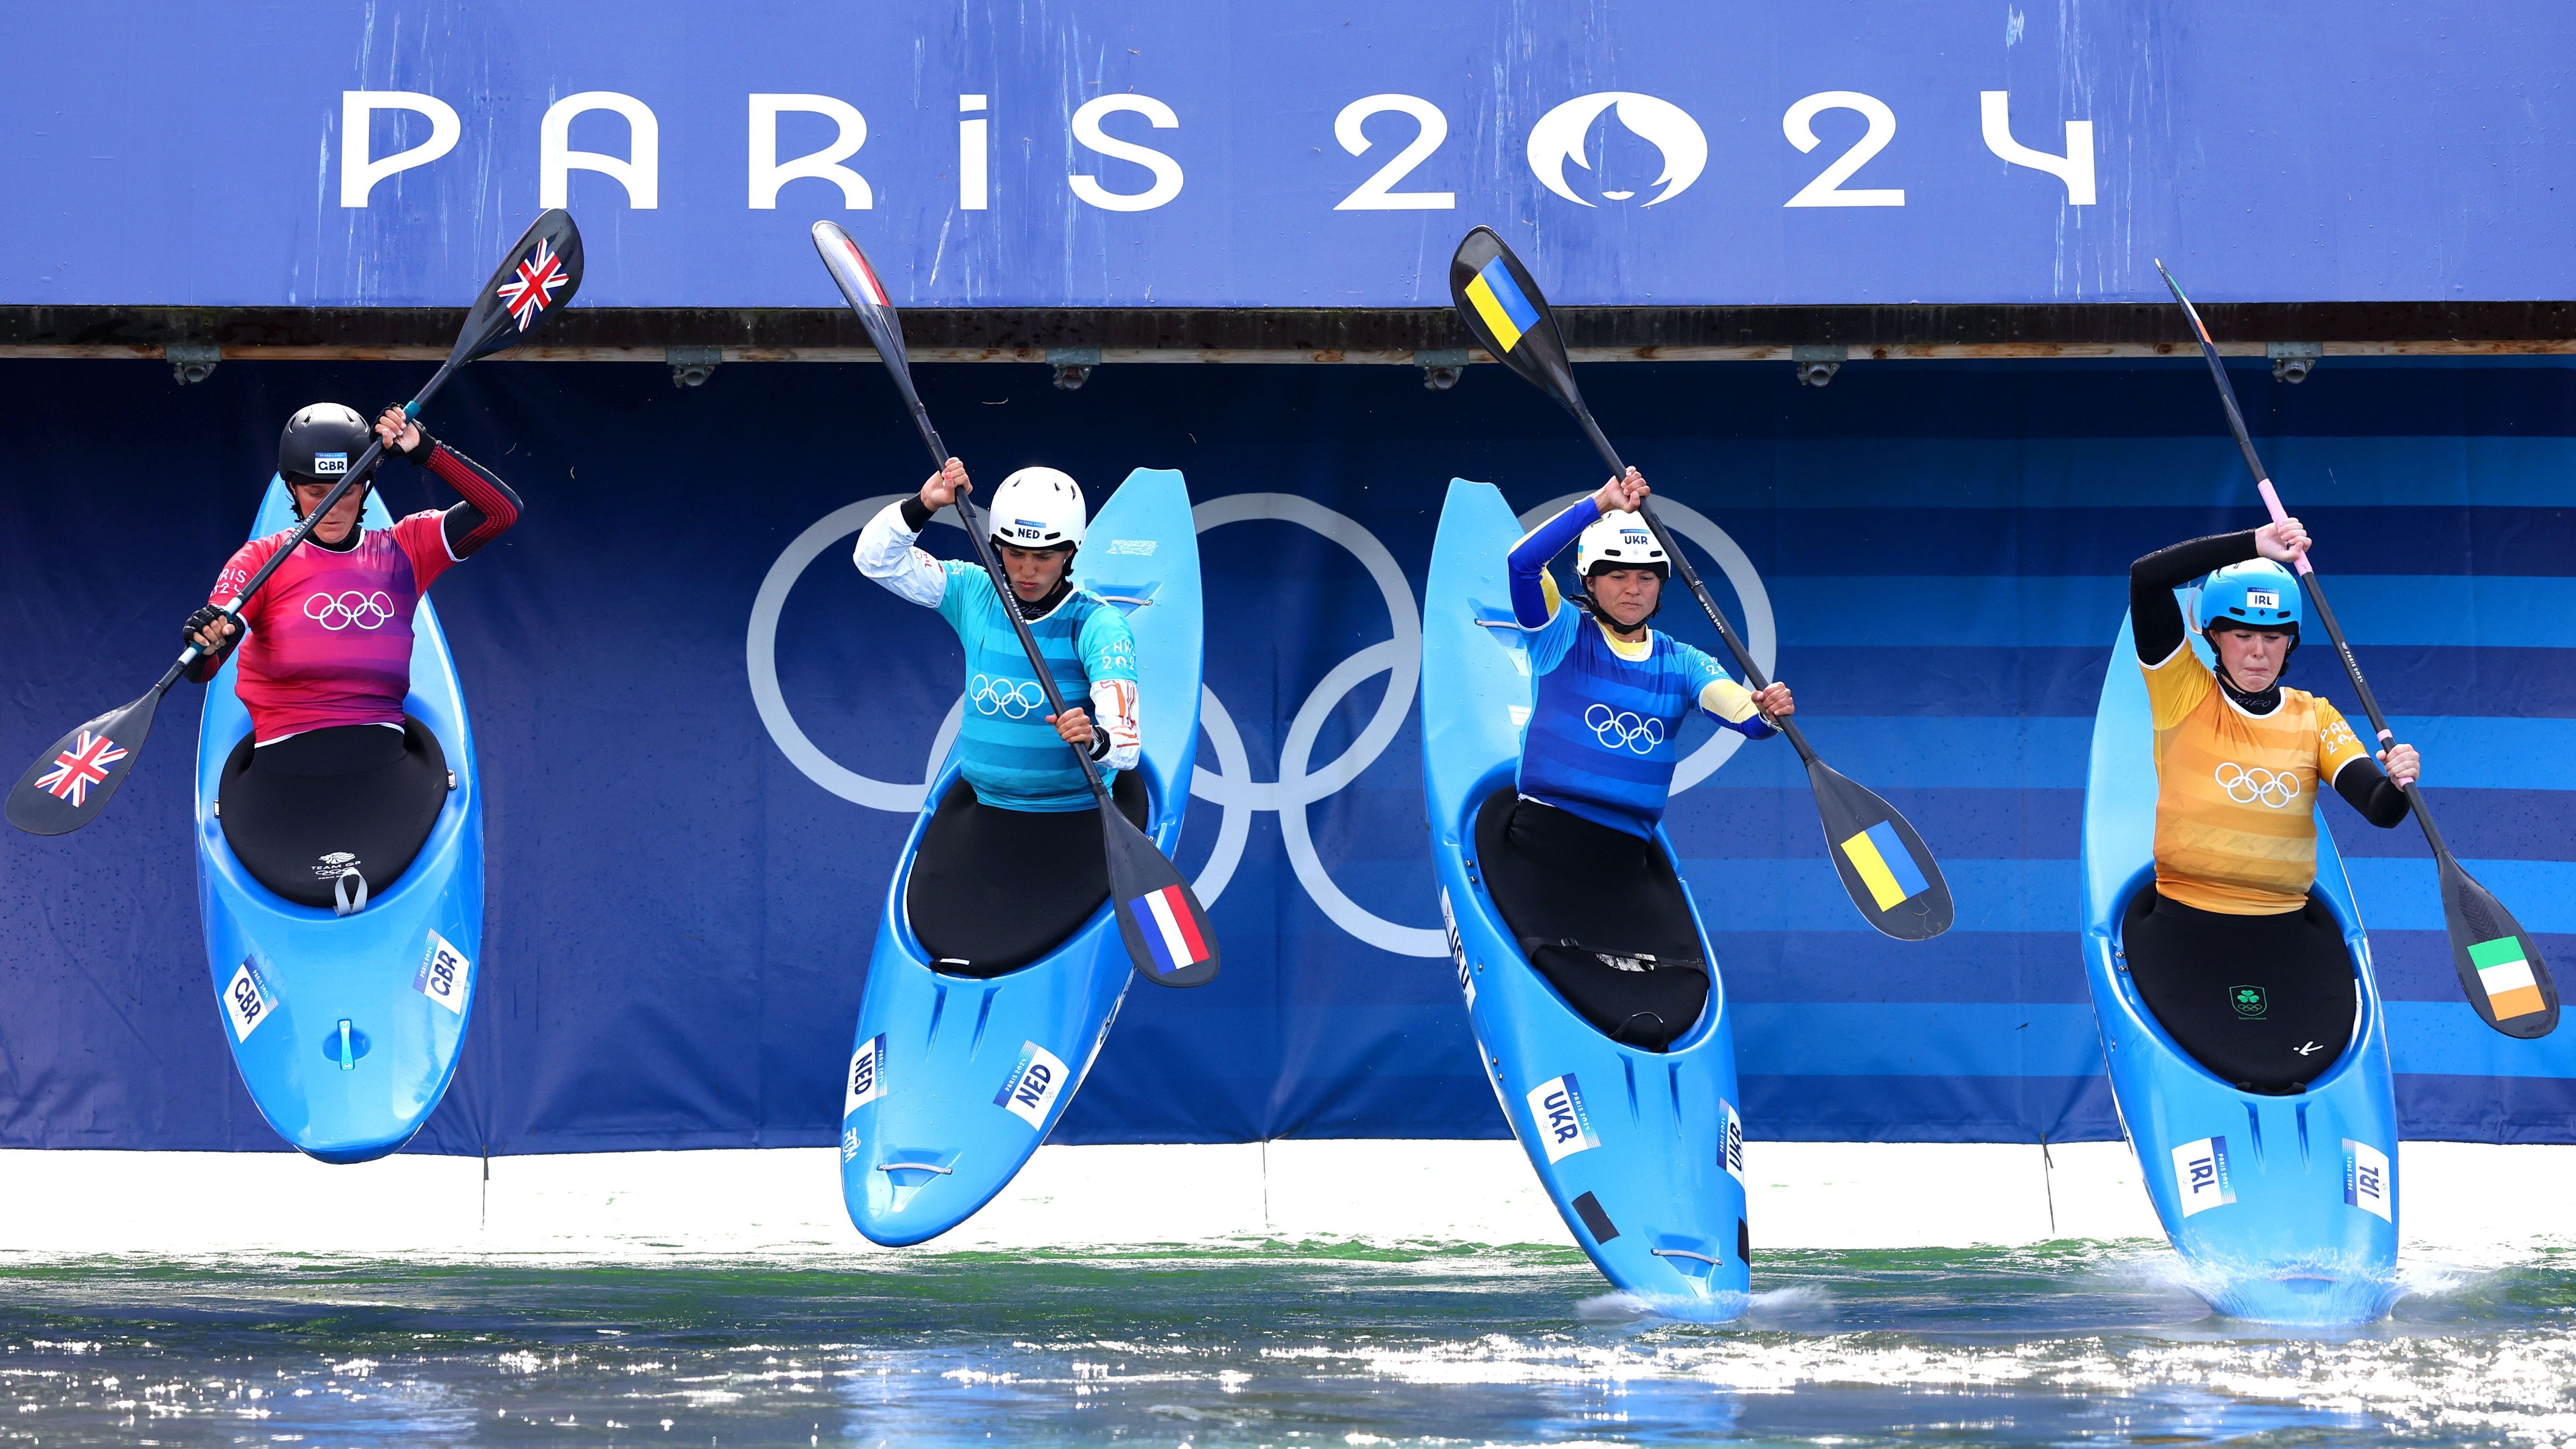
(2249, 1001)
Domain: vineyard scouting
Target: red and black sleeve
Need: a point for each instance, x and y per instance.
(489, 507)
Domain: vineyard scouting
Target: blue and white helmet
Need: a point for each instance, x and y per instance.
(2258, 593)
(1037, 508)
(1620, 541)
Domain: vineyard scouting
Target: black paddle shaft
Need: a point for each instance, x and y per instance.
(1682, 565)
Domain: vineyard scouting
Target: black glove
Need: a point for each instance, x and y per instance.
(199, 620)
(419, 456)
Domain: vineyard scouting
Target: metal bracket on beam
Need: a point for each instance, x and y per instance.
(2291, 361)
(1441, 367)
(691, 366)
(1072, 365)
(1817, 362)
(192, 361)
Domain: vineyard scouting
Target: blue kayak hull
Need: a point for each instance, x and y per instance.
(953, 1082)
(347, 1029)
(2284, 1209)
(1642, 1152)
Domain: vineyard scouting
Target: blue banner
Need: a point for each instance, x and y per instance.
(314, 153)
(703, 734)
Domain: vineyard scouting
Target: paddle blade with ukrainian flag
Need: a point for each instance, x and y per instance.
(1891, 875)
(1165, 928)
(1508, 314)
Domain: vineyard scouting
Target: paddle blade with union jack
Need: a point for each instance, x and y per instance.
(536, 279)
(69, 784)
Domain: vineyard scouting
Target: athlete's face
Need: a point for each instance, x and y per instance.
(1628, 596)
(2251, 657)
(1034, 571)
(335, 525)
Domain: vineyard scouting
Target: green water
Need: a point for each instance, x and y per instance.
(1250, 1344)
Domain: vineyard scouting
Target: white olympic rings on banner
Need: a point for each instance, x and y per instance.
(2245, 786)
(338, 612)
(1008, 698)
(1622, 730)
(1230, 786)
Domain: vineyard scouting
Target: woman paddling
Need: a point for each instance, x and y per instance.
(1013, 860)
(1575, 864)
(334, 782)
(2245, 969)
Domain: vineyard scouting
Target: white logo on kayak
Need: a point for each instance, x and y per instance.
(247, 1000)
(1457, 947)
(443, 974)
(867, 1075)
(2365, 1179)
(1141, 547)
(1564, 1128)
(1033, 1085)
(2200, 1175)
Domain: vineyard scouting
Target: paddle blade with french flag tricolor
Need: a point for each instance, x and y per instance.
(868, 297)
(1166, 929)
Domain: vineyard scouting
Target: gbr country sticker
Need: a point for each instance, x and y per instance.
(2200, 1175)
(2365, 1179)
(1033, 1085)
(444, 974)
(867, 1075)
(1564, 1128)
(248, 999)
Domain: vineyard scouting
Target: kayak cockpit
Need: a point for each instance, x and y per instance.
(2272, 1030)
(1601, 917)
(302, 836)
(994, 891)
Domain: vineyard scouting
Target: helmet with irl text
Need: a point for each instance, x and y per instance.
(1037, 508)
(1620, 541)
(2256, 594)
(320, 442)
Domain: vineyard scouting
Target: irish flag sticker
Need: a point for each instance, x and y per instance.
(2505, 974)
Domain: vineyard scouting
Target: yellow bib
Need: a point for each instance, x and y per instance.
(2236, 794)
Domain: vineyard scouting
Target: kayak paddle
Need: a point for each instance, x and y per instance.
(1888, 870)
(72, 782)
(1153, 902)
(2499, 964)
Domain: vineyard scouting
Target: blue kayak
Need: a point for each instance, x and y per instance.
(1641, 1151)
(346, 1028)
(2284, 1209)
(953, 1081)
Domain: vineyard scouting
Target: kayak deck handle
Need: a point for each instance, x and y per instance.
(1126, 599)
(1511, 624)
(1687, 1253)
(914, 1167)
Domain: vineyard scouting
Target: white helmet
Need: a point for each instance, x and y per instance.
(1620, 541)
(1037, 508)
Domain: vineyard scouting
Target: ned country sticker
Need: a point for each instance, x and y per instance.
(1033, 1085)
(867, 1075)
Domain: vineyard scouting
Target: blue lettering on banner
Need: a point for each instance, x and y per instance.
(1564, 1127)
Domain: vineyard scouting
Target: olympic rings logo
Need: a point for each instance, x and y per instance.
(1231, 786)
(2245, 786)
(338, 612)
(1007, 698)
(1623, 730)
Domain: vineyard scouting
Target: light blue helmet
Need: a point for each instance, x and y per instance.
(2257, 592)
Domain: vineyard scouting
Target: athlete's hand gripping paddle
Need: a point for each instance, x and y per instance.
(1884, 864)
(72, 782)
(1152, 902)
(2499, 964)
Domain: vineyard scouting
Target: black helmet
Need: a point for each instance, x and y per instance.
(320, 443)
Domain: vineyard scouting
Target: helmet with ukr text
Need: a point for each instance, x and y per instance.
(1620, 541)
(320, 442)
(2256, 594)
(1037, 508)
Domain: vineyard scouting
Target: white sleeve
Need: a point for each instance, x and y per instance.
(885, 554)
(1113, 711)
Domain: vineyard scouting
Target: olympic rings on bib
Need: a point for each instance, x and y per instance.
(338, 612)
(1008, 698)
(2245, 786)
(1624, 730)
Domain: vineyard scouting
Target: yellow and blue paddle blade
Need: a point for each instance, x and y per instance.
(1508, 314)
(1891, 875)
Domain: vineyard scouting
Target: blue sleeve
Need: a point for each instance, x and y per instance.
(1714, 690)
(1108, 646)
(1550, 642)
(1529, 559)
(968, 588)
